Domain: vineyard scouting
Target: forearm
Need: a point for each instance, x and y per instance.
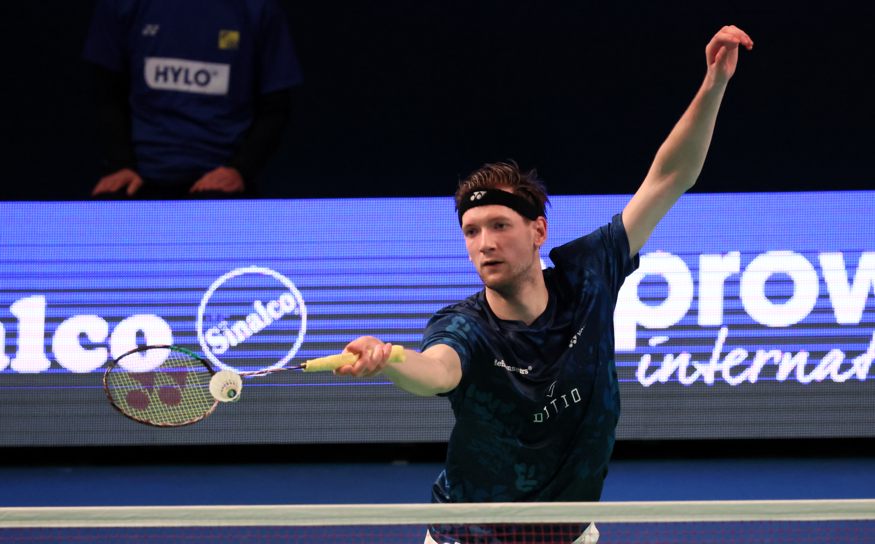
(438, 369)
(262, 138)
(421, 375)
(680, 158)
(113, 118)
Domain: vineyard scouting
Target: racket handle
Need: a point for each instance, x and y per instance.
(333, 362)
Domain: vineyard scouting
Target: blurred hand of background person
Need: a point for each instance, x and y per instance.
(222, 179)
(123, 180)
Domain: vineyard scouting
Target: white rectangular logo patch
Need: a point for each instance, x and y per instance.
(187, 76)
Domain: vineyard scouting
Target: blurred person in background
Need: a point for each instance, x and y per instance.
(192, 96)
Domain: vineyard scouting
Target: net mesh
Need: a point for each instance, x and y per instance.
(849, 521)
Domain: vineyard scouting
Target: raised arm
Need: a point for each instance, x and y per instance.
(680, 158)
(438, 369)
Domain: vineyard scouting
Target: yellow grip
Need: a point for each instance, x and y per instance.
(333, 362)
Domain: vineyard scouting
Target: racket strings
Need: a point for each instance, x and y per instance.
(175, 393)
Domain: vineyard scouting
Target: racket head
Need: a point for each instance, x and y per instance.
(161, 386)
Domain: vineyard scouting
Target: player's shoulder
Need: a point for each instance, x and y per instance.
(471, 307)
(589, 245)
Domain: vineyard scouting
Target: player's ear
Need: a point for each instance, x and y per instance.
(540, 226)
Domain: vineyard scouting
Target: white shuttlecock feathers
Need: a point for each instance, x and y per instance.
(226, 386)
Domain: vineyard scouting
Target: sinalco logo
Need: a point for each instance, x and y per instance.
(250, 316)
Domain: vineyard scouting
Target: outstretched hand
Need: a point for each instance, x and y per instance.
(721, 53)
(373, 357)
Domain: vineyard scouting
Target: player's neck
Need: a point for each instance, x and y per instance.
(525, 303)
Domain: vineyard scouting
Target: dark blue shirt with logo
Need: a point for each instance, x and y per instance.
(196, 68)
(537, 405)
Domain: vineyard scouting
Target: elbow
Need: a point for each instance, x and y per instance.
(684, 180)
(689, 184)
(677, 174)
(440, 388)
(423, 385)
(678, 182)
(448, 381)
(428, 391)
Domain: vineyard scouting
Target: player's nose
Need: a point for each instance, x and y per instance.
(486, 242)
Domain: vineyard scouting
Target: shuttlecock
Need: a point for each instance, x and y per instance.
(226, 386)
(589, 536)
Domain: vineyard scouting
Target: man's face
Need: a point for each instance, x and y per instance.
(503, 245)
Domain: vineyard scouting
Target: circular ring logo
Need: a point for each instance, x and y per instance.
(248, 315)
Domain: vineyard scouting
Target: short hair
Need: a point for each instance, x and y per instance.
(506, 175)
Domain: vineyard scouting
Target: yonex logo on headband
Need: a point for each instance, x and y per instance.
(498, 197)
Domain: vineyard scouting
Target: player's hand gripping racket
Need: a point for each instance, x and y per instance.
(170, 386)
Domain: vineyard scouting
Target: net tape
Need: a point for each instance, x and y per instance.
(417, 514)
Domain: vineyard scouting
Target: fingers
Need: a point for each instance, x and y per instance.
(721, 53)
(135, 185)
(372, 361)
(728, 38)
(736, 35)
(226, 180)
(223, 185)
(204, 184)
(117, 181)
(103, 186)
(373, 355)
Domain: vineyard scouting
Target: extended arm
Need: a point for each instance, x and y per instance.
(438, 369)
(680, 158)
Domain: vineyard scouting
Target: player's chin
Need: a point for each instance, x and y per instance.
(491, 276)
(497, 284)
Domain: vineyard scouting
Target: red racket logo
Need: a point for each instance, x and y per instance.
(169, 392)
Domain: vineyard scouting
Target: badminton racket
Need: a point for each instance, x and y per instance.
(170, 386)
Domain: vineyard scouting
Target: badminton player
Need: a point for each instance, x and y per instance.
(528, 363)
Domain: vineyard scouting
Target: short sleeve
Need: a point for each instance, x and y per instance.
(453, 329)
(105, 44)
(604, 251)
(278, 64)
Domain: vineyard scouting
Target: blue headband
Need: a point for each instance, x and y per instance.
(498, 197)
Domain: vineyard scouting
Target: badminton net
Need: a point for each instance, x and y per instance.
(701, 522)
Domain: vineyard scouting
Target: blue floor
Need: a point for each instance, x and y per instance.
(629, 480)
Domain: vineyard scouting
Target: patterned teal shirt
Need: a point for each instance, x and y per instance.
(537, 405)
